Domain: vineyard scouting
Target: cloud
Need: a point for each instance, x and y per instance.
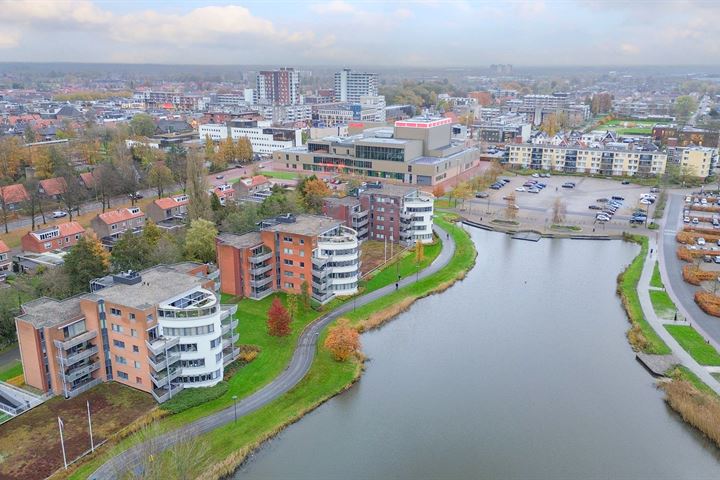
(333, 7)
(9, 39)
(629, 49)
(74, 13)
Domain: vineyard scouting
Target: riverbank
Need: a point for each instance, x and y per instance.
(324, 379)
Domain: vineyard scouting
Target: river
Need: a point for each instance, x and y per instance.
(521, 371)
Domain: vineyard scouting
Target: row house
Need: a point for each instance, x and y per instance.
(168, 210)
(13, 196)
(5, 260)
(56, 237)
(110, 226)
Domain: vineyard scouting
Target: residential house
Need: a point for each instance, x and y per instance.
(224, 193)
(14, 196)
(5, 260)
(169, 211)
(247, 187)
(109, 226)
(56, 237)
(88, 180)
(53, 187)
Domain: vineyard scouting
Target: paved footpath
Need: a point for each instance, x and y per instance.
(658, 324)
(291, 376)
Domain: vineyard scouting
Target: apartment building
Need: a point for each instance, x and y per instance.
(281, 87)
(168, 208)
(5, 260)
(246, 187)
(368, 109)
(350, 86)
(419, 151)
(178, 101)
(350, 212)
(287, 252)
(56, 237)
(398, 213)
(698, 161)
(264, 140)
(110, 226)
(160, 331)
(604, 160)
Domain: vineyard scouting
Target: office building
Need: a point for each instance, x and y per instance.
(350, 86)
(160, 331)
(264, 140)
(277, 87)
(286, 253)
(418, 151)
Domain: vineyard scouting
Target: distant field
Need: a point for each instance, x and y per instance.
(633, 131)
(636, 123)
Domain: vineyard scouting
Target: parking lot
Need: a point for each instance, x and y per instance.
(538, 207)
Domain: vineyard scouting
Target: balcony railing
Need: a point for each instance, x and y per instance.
(230, 340)
(231, 325)
(260, 270)
(161, 344)
(82, 388)
(162, 394)
(214, 275)
(72, 359)
(260, 294)
(262, 281)
(227, 310)
(162, 362)
(162, 379)
(229, 355)
(78, 373)
(76, 340)
(322, 297)
(261, 257)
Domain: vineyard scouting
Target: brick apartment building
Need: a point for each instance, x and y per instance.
(287, 252)
(159, 330)
(5, 261)
(396, 213)
(56, 237)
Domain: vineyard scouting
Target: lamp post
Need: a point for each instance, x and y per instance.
(417, 272)
(234, 397)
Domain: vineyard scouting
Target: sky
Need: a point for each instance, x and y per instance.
(416, 33)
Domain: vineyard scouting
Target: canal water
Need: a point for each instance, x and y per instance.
(521, 371)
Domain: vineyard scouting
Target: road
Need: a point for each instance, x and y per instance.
(291, 376)
(671, 268)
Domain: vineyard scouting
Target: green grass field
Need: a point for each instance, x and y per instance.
(11, 372)
(693, 343)
(636, 123)
(681, 372)
(281, 175)
(663, 306)
(656, 280)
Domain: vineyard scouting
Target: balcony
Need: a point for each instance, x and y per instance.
(76, 340)
(322, 297)
(261, 257)
(73, 391)
(75, 357)
(229, 326)
(260, 294)
(162, 362)
(359, 222)
(229, 355)
(259, 270)
(162, 379)
(319, 262)
(230, 341)
(214, 275)
(227, 311)
(163, 394)
(262, 281)
(77, 373)
(160, 345)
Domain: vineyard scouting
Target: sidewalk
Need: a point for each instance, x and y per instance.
(658, 324)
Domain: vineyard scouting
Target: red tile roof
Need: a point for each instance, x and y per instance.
(226, 192)
(254, 181)
(14, 193)
(3, 247)
(171, 202)
(88, 179)
(120, 215)
(70, 228)
(53, 186)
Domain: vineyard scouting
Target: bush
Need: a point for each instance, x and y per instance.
(694, 276)
(708, 303)
(699, 409)
(192, 397)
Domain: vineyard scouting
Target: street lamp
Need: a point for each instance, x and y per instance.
(234, 397)
(417, 272)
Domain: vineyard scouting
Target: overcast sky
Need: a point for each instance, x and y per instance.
(339, 32)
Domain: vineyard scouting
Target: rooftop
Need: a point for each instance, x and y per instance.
(390, 190)
(120, 215)
(3, 247)
(48, 312)
(306, 225)
(166, 203)
(246, 240)
(348, 201)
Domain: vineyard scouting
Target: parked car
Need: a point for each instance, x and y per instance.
(617, 197)
(219, 177)
(520, 189)
(541, 185)
(708, 258)
(602, 218)
(695, 221)
(535, 175)
(482, 195)
(688, 199)
(505, 180)
(568, 185)
(700, 241)
(637, 220)
(534, 190)
(646, 201)
(625, 182)
(686, 219)
(135, 196)
(602, 200)
(59, 214)
(595, 207)
(495, 186)
(717, 259)
(654, 190)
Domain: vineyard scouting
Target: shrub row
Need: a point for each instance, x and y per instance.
(687, 255)
(695, 276)
(708, 303)
(192, 397)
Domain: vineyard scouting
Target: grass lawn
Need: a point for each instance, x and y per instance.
(405, 266)
(656, 281)
(637, 123)
(634, 131)
(325, 378)
(694, 344)
(281, 175)
(11, 372)
(627, 288)
(30, 443)
(663, 306)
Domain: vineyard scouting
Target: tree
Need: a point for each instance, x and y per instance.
(313, 191)
(160, 177)
(130, 253)
(684, 106)
(215, 204)
(200, 241)
(29, 134)
(151, 234)
(73, 193)
(244, 150)
(9, 168)
(550, 124)
(33, 204)
(343, 341)
(293, 305)
(601, 103)
(558, 211)
(209, 148)
(105, 183)
(242, 220)
(167, 251)
(143, 125)
(199, 200)
(176, 161)
(438, 191)
(225, 155)
(419, 251)
(463, 191)
(510, 209)
(278, 321)
(86, 260)
(305, 295)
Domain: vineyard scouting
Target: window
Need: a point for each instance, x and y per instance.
(122, 375)
(121, 360)
(133, 332)
(138, 380)
(132, 316)
(287, 239)
(302, 253)
(119, 344)
(137, 364)
(289, 274)
(193, 363)
(115, 311)
(188, 347)
(48, 245)
(117, 328)
(289, 285)
(189, 331)
(302, 264)
(287, 262)
(302, 276)
(216, 342)
(136, 349)
(288, 251)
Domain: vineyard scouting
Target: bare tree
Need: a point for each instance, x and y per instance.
(558, 211)
(34, 202)
(511, 208)
(73, 193)
(199, 204)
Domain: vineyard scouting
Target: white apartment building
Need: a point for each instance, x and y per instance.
(336, 264)
(264, 140)
(350, 86)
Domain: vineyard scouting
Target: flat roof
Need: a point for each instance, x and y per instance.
(390, 189)
(49, 312)
(434, 160)
(245, 240)
(306, 225)
(348, 200)
(158, 285)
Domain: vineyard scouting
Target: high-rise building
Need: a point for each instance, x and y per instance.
(350, 86)
(159, 330)
(277, 87)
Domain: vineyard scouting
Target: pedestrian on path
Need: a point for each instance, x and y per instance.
(396, 285)
(651, 250)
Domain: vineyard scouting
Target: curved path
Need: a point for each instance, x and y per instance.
(291, 376)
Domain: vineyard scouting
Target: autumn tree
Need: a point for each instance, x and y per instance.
(601, 103)
(463, 191)
(160, 177)
(224, 156)
(244, 150)
(73, 193)
(278, 321)
(142, 125)
(9, 168)
(511, 208)
(438, 191)
(200, 241)
(305, 295)
(86, 260)
(209, 148)
(151, 233)
(130, 252)
(105, 183)
(558, 211)
(293, 305)
(343, 341)
(199, 200)
(176, 161)
(313, 191)
(34, 202)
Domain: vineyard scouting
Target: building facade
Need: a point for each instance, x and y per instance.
(264, 140)
(5, 261)
(111, 225)
(56, 237)
(277, 87)
(159, 330)
(417, 151)
(350, 86)
(287, 253)
(698, 161)
(602, 160)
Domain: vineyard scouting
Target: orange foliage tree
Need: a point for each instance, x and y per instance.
(278, 320)
(438, 191)
(343, 341)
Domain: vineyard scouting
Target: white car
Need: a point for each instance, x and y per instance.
(602, 218)
(695, 221)
(59, 214)
(535, 175)
(520, 189)
(701, 241)
(686, 219)
(688, 199)
(645, 201)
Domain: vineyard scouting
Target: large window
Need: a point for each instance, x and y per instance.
(380, 153)
(189, 331)
(74, 329)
